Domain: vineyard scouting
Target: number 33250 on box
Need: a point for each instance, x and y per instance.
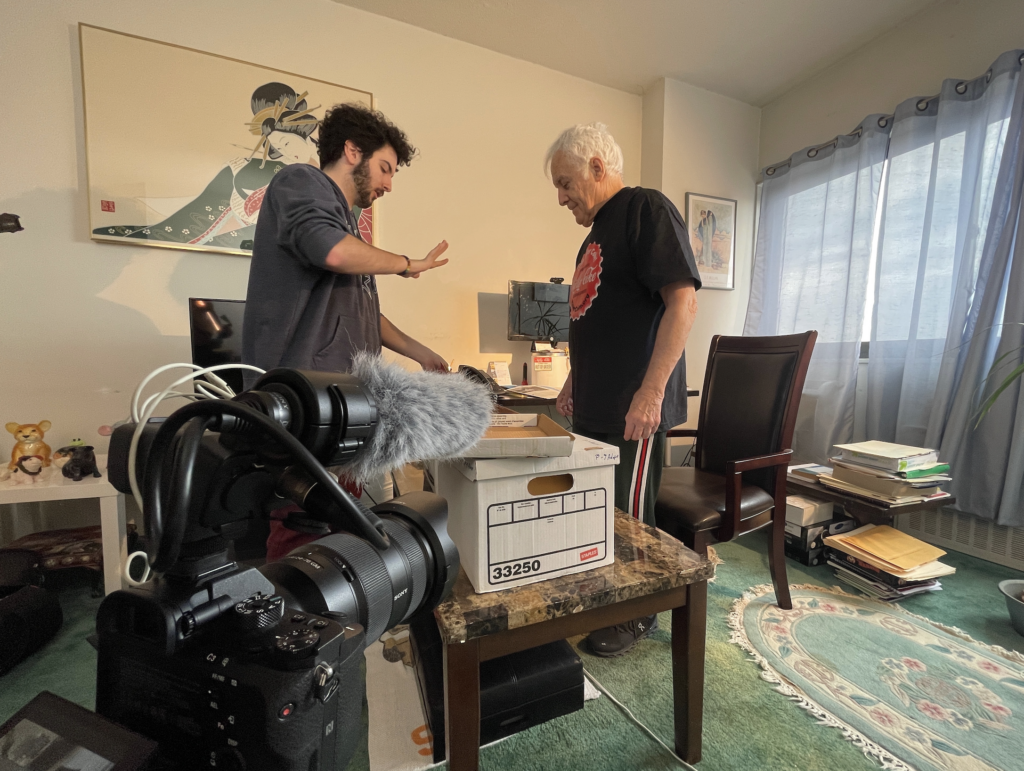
(521, 520)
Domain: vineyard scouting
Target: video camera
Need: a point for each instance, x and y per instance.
(240, 668)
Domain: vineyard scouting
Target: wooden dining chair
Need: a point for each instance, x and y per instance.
(743, 447)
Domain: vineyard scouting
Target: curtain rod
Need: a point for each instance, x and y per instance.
(813, 151)
(922, 105)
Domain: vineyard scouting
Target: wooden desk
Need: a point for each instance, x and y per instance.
(112, 512)
(652, 572)
(861, 509)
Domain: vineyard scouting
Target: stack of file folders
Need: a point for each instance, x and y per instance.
(893, 474)
(884, 563)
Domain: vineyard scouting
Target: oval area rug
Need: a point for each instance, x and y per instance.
(915, 695)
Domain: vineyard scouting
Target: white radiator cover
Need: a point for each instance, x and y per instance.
(968, 534)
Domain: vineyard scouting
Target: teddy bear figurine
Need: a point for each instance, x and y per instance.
(28, 442)
(28, 471)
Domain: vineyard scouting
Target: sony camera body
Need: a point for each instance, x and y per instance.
(262, 687)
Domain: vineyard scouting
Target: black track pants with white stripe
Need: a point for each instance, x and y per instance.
(638, 475)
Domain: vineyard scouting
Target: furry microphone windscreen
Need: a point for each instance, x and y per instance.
(420, 416)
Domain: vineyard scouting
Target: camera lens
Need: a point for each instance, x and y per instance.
(379, 589)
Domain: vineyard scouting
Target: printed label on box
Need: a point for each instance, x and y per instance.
(561, 536)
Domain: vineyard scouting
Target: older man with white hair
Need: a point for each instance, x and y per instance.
(631, 307)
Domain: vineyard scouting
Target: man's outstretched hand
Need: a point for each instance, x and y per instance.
(432, 261)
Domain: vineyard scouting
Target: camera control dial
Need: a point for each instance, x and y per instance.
(259, 612)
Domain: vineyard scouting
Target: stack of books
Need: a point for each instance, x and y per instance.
(893, 474)
(884, 563)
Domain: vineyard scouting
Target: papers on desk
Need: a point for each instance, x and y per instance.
(890, 500)
(539, 391)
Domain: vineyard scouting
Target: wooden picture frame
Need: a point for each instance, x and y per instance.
(717, 270)
(181, 144)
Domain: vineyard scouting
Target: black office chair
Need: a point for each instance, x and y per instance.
(743, 446)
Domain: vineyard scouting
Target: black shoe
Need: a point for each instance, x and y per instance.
(616, 640)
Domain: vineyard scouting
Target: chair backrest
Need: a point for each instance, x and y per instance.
(750, 399)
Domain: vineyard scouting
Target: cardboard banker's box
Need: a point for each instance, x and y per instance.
(521, 520)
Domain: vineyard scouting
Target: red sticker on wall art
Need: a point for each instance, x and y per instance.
(585, 282)
(106, 206)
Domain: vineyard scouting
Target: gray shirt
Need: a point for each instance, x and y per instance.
(298, 313)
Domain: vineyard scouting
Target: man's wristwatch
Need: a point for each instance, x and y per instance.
(408, 268)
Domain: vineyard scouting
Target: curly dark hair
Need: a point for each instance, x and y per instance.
(369, 130)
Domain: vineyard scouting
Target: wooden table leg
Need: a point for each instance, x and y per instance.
(462, 706)
(689, 628)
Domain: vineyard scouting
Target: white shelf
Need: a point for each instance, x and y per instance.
(56, 487)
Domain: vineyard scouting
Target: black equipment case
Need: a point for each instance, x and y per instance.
(516, 692)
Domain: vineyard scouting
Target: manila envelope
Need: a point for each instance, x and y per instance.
(902, 550)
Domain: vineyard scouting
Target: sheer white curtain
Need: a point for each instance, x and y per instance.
(810, 270)
(944, 158)
(988, 457)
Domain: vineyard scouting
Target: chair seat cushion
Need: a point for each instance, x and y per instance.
(695, 500)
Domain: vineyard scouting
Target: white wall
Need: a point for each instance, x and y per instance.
(952, 39)
(708, 144)
(482, 120)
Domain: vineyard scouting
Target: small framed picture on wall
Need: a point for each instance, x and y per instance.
(712, 228)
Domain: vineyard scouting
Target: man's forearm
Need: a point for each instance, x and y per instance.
(673, 333)
(394, 339)
(353, 256)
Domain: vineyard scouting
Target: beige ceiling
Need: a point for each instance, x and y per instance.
(751, 50)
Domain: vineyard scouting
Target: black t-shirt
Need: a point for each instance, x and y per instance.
(637, 245)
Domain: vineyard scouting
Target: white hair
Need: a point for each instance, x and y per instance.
(582, 142)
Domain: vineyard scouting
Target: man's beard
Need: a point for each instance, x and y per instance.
(361, 177)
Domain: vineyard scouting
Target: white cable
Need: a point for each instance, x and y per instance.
(176, 395)
(145, 381)
(213, 391)
(635, 720)
(153, 402)
(127, 564)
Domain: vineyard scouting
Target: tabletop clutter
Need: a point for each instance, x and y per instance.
(880, 561)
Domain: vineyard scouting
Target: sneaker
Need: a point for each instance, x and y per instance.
(616, 640)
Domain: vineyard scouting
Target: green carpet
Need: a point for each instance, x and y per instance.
(747, 725)
(911, 693)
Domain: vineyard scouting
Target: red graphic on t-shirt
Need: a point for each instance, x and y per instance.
(585, 282)
(254, 201)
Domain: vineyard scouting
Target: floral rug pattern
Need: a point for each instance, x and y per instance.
(914, 695)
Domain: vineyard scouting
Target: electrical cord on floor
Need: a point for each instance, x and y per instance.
(636, 720)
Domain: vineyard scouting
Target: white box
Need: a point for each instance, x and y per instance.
(521, 520)
(804, 510)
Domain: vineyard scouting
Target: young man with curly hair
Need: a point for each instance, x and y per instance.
(312, 297)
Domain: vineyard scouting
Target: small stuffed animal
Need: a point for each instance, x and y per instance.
(76, 462)
(28, 441)
(28, 470)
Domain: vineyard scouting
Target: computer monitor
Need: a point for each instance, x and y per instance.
(216, 328)
(538, 311)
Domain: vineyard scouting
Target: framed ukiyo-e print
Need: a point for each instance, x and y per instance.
(181, 144)
(712, 228)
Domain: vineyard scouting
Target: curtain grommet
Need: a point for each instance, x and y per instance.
(988, 76)
(883, 122)
(961, 87)
(769, 171)
(922, 105)
(1020, 59)
(812, 152)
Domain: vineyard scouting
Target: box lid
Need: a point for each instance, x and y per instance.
(514, 436)
(586, 453)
